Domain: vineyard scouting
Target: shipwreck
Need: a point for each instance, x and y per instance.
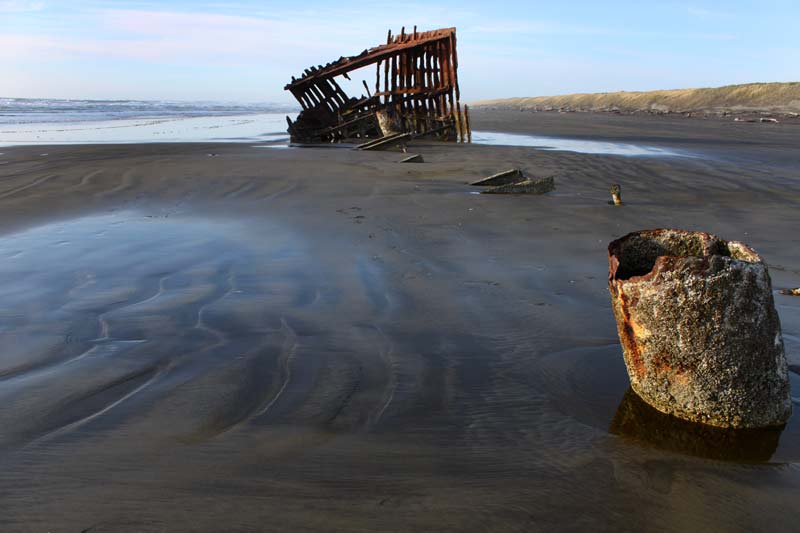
(415, 94)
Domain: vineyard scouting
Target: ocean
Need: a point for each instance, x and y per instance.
(51, 122)
(25, 121)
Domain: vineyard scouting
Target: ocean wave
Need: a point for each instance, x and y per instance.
(48, 110)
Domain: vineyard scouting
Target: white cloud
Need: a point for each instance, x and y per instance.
(698, 12)
(714, 36)
(703, 13)
(281, 38)
(535, 27)
(178, 38)
(19, 6)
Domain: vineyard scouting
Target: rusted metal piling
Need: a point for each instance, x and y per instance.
(416, 92)
(616, 194)
(698, 327)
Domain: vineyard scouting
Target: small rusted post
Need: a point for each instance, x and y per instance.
(469, 128)
(386, 64)
(459, 130)
(616, 194)
(454, 77)
(394, 78)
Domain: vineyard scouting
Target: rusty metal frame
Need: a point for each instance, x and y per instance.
(416, 92)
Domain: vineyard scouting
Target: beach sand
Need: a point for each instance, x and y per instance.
(221, 337)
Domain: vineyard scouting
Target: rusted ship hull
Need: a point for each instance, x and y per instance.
(415, 91)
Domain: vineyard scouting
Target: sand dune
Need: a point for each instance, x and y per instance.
(778, 98)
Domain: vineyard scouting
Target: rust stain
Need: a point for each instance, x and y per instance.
(628, 333)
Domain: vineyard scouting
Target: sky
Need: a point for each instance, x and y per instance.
(246, 51)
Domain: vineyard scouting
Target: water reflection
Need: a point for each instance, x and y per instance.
(584, 146)
(640, 422)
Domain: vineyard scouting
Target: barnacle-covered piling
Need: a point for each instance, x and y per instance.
(698, 326)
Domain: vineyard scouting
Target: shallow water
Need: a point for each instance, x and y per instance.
(584, 146)
(556, 143)
(265, 127)
(109, 311)
(105, 311)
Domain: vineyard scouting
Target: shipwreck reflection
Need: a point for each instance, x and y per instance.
(638, 421)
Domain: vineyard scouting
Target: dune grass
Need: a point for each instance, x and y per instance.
(750, 97)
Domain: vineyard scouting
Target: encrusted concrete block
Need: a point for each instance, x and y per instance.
(698, 326)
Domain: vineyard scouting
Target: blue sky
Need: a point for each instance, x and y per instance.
(246, 50)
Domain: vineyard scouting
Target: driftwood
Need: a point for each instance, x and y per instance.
(416, 92)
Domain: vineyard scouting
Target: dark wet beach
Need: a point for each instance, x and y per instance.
(288, 340)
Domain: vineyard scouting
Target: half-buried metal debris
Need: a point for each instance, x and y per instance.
(395, 139)
(514, 181)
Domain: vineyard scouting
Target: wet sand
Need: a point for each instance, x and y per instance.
(222, 338)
